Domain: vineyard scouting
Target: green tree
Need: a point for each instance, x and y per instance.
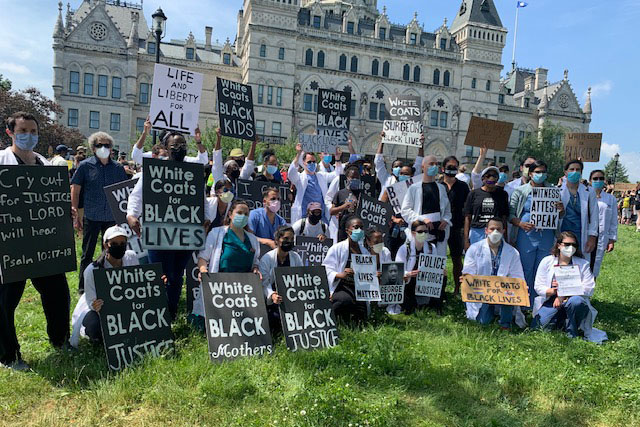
(620, 175)
(5, 84)
(546, 146)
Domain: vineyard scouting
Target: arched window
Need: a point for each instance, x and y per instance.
(354, 64)
(308, 57)
(343, 62)
(385, 69)
(416, 73)
(374, 67)
(446, 80)
(405, 72)
(320, 61)
(436, 77)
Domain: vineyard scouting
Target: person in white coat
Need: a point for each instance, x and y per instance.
(492, 257)
(231, 169)
(608, 221)
(374, 242)
(398, 168)
(581, 208)
(138, 153)
(218, 205)
(572, 313)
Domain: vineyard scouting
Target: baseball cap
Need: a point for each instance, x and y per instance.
(112, 232)
(60, 148)
(489, 169)
(312, 206)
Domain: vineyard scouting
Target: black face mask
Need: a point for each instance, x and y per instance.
(178, 153)
(314, 219)
(117, 251)
(287, 246)
(234, 174)
(451, 172)
(240, 162)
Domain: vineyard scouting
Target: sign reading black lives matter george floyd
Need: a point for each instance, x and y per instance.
(307, 318)
(36, 233)
(315, 251)
(404, 126)
(334, 114)
(374, 213)
(134, 318)
(175, 100)
(251, 192)
(173, 205)
(235, 110)
(118, 197)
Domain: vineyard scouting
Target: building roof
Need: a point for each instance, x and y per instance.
(120, 14)
(478, 12)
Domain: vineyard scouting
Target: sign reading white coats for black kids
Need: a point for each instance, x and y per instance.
(374, 213)
(118, 197)
(173, 205)
(235, 316)
(235, 110)
(307, 318)
(175, 100)
(134, 317)
(431, 270)
(404, 125)
(334, 114)
(365, 275)
(544, 214)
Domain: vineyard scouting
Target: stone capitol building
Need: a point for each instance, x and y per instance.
(104, 54)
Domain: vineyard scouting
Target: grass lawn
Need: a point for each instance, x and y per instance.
(423, 369)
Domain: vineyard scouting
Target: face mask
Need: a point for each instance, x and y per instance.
(567, 251)
(234, 174)
(26, 141)
(271, 169)
(103, 152)
(314, 219)
(357, 235)
(490, 182)
(451, 171)
(226, 198)
(598, 185)
(396, 171)
(179, 153)
(354, 184)
(163, 158)
(503, 178)
(378, 247)
(574, 177)
(240, 162)
(539, 178)
(432, 171)
(495, 236)
(403, 178)
(421, 237)
(327, 159)
(240, 220)
(274, 206)
(311, 167)
(287, 246)
(117, 251)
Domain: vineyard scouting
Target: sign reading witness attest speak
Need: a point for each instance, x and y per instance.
(334, 114)
(235, 110)
(544, 214)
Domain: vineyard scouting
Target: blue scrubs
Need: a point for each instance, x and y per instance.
(313, 193)
(572, 218)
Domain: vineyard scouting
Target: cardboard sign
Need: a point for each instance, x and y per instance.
(583, 146)
(365, 273)
(175, 100)
(251, 192)
(397, 191)
(235, 110)
(625, 186)
(134, 318)
(191, 280)
(334, 114)
(569, 280)
(118, 197)
(404, 126)
(392, 283)
(36, 232)
(374, 213)
(492, 133)
(431, 273)
(314, 250)
(308, 321)
(495, 290)
(544, 214)
(173, 205)
(318, 143)
(236, 316)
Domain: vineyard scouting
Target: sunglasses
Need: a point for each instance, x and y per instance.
(490, 176)
(528, 165)
(421, 231)
(103, 145)
(575, 245)
(598, 178)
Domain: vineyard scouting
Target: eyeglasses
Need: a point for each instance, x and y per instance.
(421, 231)
(575, 245)
(598, 178)
(103, 145)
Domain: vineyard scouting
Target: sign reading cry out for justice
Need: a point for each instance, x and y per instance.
(175, 100)
(235, 110)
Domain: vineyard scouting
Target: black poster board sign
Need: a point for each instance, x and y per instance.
(36, 231)
(251, 191)
(314, 250)
(134, 317)
(392, 283)
(334, 114)
(173, 199)
(367, 184)
(308, 321)
(191, 280)
(118, 197)
(235, 110)
(374, 213)
(236, 316)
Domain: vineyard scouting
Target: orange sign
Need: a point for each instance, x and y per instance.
(492, 133)
(495, 290)
(583, 146)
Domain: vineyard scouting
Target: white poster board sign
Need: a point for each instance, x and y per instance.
(544, 214)
(569, 280)
(318, 143)
(397, 191)
(431, 271)
(365, 275)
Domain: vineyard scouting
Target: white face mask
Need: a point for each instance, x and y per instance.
(421, 237)
(495, 236)
(226, 197)
(103, 152)
(567, 251)
(378, 247)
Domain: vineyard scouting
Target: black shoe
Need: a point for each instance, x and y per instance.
(80, 291)
(18, 366)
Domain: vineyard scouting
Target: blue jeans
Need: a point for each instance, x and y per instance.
(533, 247)
(485, 315)
(476, 234)
(568, 316)
(173, 265)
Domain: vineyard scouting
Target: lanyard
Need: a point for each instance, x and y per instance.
(495, 260)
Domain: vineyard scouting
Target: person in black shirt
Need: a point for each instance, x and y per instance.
(345, 202)
(270, 172)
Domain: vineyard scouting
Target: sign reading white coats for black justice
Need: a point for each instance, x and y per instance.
(431, 271)
(392, 283)
(235, 110)
(307, 318)
(236, 316)
(404, 125)
(374, 213)
(365, 275)
(175, 100)
(334, 114)
(544, 214)
(315, 251)
(173, 205)
(118, 197)
(134, 317)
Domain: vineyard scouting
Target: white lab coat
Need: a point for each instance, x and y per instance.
(137, 155)
(407, 256)
(268, 264)
(387, 179)
(607, 227)
(511, 186)
(211, 207)
(333, 189)
(589, 212)
(336, 260)
(8, 158)
(300, 181)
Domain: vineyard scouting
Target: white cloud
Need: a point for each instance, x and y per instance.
(631, 161)
(609, 150)
(600, 89)
(12, 68)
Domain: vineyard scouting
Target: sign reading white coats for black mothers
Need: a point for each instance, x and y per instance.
(431, 271)
(544, 214)
(334, 114)
(404, 125)
(235, 110)
(175, 100)
(117, 197)
(374, 213)
(173, 205)
(392, 283)
(397, 191)
(318, 143)
(134, 317)
(365, 275)
(236, 316)
(307, 318)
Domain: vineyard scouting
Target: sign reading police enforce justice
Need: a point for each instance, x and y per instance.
(404, 126)
(235, 110)
(334, 114)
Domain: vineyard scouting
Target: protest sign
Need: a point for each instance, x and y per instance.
(118, 197)
(544, 214)
(431, 273)
(391, 283)
(134, 317)
(493, 134)
(495, 290)
(236, 316)
(404, 125)
(314, 250)
(191, 280)
(251, 192)
(175, 100)
(318, 143)
(36, 232)
(334, 114)
(308, 321)
(367, 185)
(569, 280)
(365, 274)
(625, 186)
(374, 213)
(235, 110)
(583, 146)
(397, 191)
(173, 205)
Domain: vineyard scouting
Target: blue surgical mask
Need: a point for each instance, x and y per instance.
(311, 167)
(271, 169)
(240, 220)
(539, 178)
(432, 170)
(354, 158)
(357, 235)
(327, 159)
(598, 185)
(354, 184)
(503, 178)
(396, 171)
(574, 177)
(403, 178)
(26, 141)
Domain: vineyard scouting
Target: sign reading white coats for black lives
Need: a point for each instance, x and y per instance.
(235, 110)
(235, 316)
(315, 251)
(307, 318)
(431, 271)
(318, 143)
(134, 317)
(175, 100)
(334, 114)
(365, 275)
(404, 125)
(117, 197)
(173, 205)
(392, 283)
(374, 213)
(397, 191)
(544, 214)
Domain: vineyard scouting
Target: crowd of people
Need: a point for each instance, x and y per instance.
(482, 219)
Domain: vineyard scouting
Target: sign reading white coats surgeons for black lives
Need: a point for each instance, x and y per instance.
(235, 316)
(307, 318)
(175, 99)
(404, 123)
(235, 110)
(134, 317)
(334, 114)
(173, 205)
(36, 233)
(118, 197)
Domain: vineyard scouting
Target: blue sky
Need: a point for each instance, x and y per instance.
(593, 39)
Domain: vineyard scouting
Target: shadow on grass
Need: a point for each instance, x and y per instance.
(617, 318)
